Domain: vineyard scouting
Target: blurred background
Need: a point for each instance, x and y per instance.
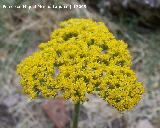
(21, 30)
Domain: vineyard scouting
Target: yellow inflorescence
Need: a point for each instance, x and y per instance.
(82, 57)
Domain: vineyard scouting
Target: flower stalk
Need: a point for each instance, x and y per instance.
(76, 115)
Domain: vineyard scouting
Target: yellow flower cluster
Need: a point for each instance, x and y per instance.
(82, 57)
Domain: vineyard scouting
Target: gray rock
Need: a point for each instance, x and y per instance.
(119, 123)
(6, 118)
(144, 124)
(148, 11)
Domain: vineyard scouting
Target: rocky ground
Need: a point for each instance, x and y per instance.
(21, 32)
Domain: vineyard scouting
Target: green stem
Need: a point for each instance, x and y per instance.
(76, 115)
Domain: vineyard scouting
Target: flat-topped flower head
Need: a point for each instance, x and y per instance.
(80, 58)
